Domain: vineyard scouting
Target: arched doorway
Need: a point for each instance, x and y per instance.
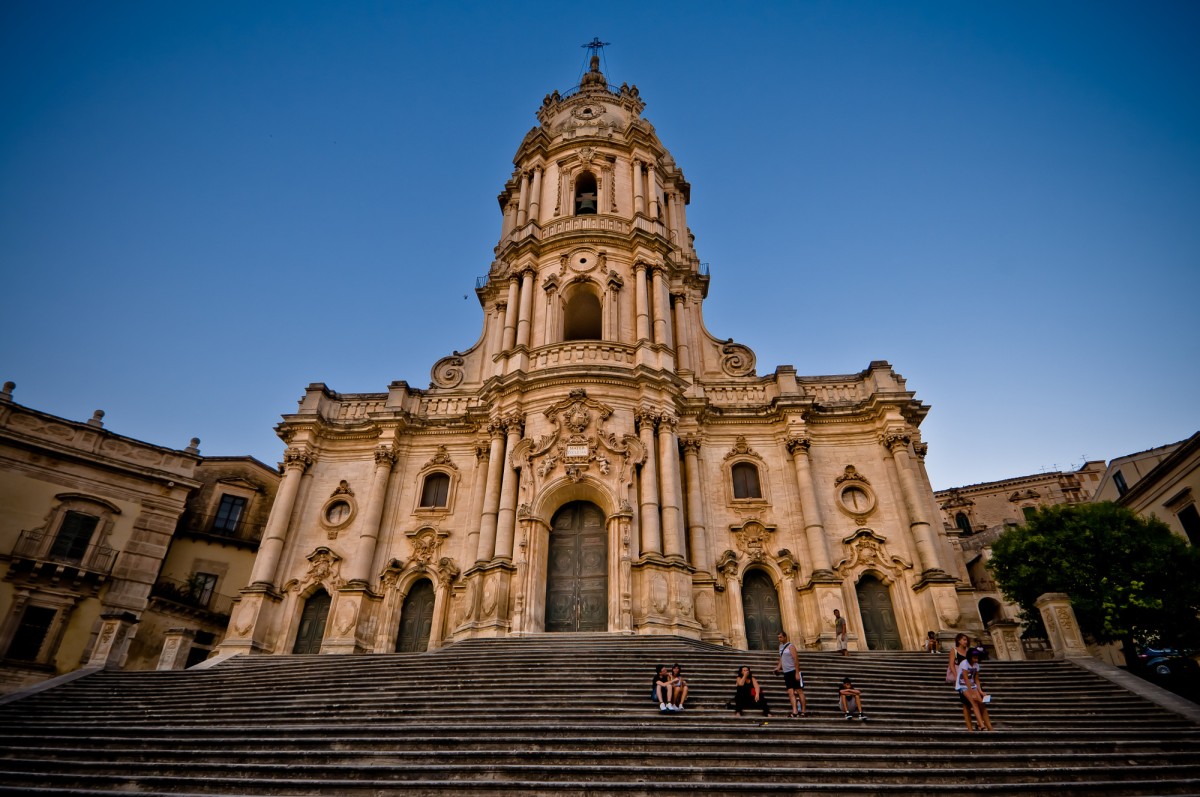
(577, 570)
(989, 611)
(760, 604)
(312, 623)
(416, 618)
(878, 618)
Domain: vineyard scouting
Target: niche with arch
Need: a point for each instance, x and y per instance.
(583, 314)
(586, 194)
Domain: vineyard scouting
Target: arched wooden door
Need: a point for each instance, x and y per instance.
(577, 570)
(416, 618)
(312, 623)
(878, 618)
(760, 603)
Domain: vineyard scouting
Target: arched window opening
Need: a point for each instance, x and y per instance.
(585, 194)
(582, 317)
(436, 490)
(745, 481)
(989, 611)
(963, 522)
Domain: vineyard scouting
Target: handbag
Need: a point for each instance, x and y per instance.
(951, 676)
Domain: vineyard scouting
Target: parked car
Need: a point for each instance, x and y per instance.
(1167, 662)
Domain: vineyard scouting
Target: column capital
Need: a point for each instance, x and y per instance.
(690, 443)
(640, 265)
(921, 449)
(298, 458)
(646, 416)
(495, 428)
(667, 423)
(385, 456)
(798, 444)
(514, 423)
(895, 440)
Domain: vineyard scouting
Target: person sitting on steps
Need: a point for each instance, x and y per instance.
(679, 689)
(748, 694)
(661, 687)
(849, 693)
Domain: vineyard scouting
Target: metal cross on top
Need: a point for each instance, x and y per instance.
(594, 45)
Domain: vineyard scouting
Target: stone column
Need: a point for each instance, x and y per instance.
(535, 200)
(506, 519)
(177, 645)
(662, 311)
(810, 510)
(642, 300)
(496, 344)
(510, 219)
(112, 640)
(1061, 626)
(612, 307)
(550, 325)
(478, 491)
(510, 313)
(921, 530)
(697, 532)
(523, 201)
(359, 570)
(491, 502)
(683, 353)
(677, 223)
(639, 200)
(652, 190)
(526, 308)
(672, 491)
(651, 530)
(295, 462)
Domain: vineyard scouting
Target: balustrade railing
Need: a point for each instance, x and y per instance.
(214, 525)
(39, 546)
(194, 595)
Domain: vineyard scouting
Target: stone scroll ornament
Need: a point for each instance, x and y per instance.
(736, 359)
(448, 371)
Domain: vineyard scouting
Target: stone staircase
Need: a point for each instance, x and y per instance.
(571, 714)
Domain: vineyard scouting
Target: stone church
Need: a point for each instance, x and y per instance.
(599, 461)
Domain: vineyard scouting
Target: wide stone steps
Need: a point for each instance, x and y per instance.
(571, 714)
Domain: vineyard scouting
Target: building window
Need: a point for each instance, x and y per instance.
(1189, 518)
(1028, 512)
(963, 522)
(1119, 480)
(228, 514)
(202, 586)
(31, 633)
(582, 317)
(436, 490)
(585, 194)
(745, 481)
(74, 536)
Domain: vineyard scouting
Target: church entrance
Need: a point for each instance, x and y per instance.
(878, 618)
(312, 623)
(416, 618)
(761, 606)
(577, 570)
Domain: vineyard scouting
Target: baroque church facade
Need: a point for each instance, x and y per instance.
(598, 461)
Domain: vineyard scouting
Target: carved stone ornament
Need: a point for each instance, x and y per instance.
(736, 359)
(752, 538)
(447, 571)
(798, 443)
(1025, 495)
(426, 543)
(384, 455)
(448, 371)
(742, 449)
(867, 550)
(325, 568)
(727, 568)
(441, 458)
(893, 440)
(583, 260)
(787, 564)
(851, 474)
(578, 445)
(343, 488)
(298, 458)
(956, 500)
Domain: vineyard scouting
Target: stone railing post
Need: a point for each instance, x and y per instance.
(1061, 626)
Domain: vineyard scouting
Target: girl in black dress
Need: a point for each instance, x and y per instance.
(748, 694)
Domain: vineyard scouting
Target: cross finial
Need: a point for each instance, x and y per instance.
(595, 45)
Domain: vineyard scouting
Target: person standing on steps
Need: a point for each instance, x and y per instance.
(839, 632)
(793, 679)
(748, 694)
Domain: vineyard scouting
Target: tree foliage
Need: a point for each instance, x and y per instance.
(1130, 579)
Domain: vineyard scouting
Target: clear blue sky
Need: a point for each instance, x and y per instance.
(205, 206)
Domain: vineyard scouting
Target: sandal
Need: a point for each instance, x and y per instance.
(793, 715)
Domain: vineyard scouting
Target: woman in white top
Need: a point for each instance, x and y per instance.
(970, 691)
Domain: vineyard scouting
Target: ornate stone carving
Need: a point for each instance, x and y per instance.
(727, 569)
(787, 565)
(706, 611)
(921, 449)
(384, 455)
(426, 542)
(347, 615)
(736, 360)
(868, 550)
(752, 538)
(1025, 495)
(798, 443)
(447, 571)
(658, 592)
(742, 449)
(325, 568)
(894, 440)
(298, 458)
(448, 371)
(850, 474)
(690, 443)
(441, 458)
(343, 488)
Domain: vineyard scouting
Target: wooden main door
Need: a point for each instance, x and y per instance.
(878, 618)
(416, 618)
(577, 570)
(312, 623)
(760, 603)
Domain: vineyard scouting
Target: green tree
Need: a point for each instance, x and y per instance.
(1130, 580)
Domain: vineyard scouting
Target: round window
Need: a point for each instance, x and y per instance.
(337, 513)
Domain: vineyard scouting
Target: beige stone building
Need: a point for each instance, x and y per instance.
(598, 460)
(1163, 483)
(95, 565)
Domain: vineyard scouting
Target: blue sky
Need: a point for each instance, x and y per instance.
(205, 206)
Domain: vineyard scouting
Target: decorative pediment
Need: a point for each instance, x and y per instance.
(867, 550)
(325, 567)
(426, 542)
(742, 449)
(238, 481)
(956, 500)
(851, 474)
(441, 459)
(752, 538)
(1025, 495)
(343, 488)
